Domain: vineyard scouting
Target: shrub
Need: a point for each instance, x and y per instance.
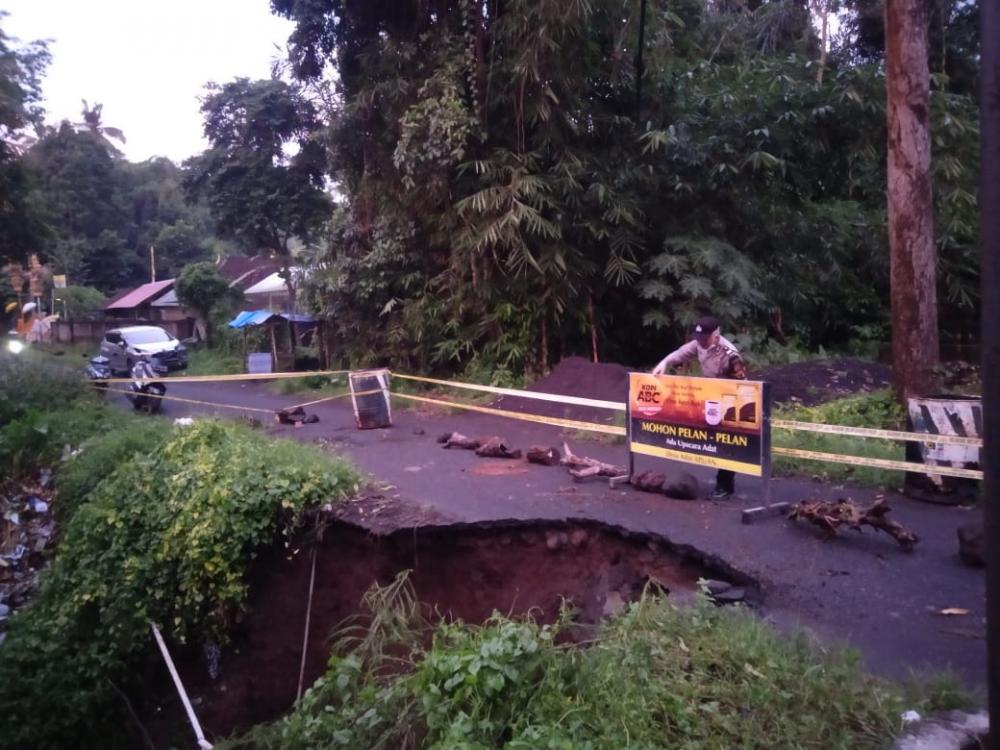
(25, 383)
(165, 538)
(38, 437)
(657, 676)
(101, 455)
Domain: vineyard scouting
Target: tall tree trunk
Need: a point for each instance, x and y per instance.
(821, 9)
(544, 358)
(912, 250)
(593, 326)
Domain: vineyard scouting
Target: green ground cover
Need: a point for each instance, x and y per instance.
(157, 523)
(878, 410)
(656, 676)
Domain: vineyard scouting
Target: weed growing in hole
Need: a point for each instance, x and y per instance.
(657, 676)
(163, 536)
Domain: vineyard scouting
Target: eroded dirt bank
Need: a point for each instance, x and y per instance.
(459, 571)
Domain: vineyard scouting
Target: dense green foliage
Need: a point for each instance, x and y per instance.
(508, 199)
(163, 536)
(258, 193)
(202, 288)
(101, 213)
(21, 69)
(656, 677)
(69, 195)
(78, 302)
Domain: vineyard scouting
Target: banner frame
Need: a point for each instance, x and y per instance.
(765, 432)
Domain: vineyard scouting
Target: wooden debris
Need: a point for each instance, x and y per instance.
(295, 416)
(829, 516)
(972, 544)
(581, 467)
(649, 481)
(458, 440)
(683, 487)
(496, 447)
(546, 456)
(751, 515)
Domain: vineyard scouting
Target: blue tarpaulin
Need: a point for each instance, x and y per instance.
(260, 317)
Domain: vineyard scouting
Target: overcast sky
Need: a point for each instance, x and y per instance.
(147, 61)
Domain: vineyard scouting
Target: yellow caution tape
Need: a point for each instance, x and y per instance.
(554, 397)
(331, 398)
(233, 378)
(879, 463)
(868, 432)
(554, 421)
(195, 401)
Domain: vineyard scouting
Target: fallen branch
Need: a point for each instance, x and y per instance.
(830, 516)
(458, 440)
(295, 416)
(546, 456)
(495, 447)
(582, 467)
(648, 481)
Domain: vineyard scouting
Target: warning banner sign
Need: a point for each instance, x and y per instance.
(709, 421)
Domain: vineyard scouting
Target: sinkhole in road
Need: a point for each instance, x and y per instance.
(464, 571)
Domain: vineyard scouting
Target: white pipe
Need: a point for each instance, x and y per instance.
(199, 735)
(305, 635)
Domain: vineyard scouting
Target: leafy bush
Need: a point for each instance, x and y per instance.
(26, 383)
(79, 302)
(101, 455)
(37, 437)
(657, 677)
(166, 537)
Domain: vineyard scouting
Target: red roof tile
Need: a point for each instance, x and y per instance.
(139, 295)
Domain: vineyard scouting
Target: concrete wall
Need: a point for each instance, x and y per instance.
(68, 331)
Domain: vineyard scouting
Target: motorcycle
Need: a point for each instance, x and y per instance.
(99, 370)
(144, 392)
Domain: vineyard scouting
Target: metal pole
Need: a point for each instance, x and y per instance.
(989, 201)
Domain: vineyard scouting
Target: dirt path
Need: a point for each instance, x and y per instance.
(859, 590)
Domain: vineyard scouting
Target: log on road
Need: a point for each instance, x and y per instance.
(830, 516)
(547, 456)
(582, 467)
(496, 447)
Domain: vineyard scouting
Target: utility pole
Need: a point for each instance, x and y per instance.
(152, 263)
(639, 67)
(989, 223)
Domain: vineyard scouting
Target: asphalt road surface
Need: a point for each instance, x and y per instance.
(859, 590)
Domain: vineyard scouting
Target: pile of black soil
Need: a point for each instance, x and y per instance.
(820, 380)
(807, 383)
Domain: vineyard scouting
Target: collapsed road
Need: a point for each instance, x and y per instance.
(921, 610)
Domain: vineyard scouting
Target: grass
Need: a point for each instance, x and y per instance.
(317, 386)
(213, 362)
(655, 676)
(878, 409)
